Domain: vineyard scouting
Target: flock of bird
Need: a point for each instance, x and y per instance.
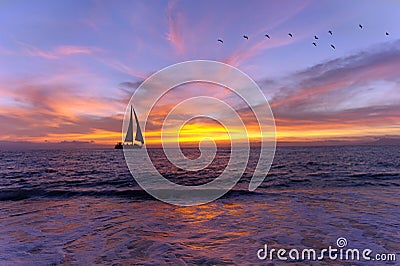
(291, 36)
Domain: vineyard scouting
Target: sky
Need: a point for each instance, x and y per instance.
(69, 68)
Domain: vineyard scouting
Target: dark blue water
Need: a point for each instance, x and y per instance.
(83, 207)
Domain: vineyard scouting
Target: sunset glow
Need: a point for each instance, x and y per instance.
(68, 71)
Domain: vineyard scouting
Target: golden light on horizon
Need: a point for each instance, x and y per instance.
(192, 133)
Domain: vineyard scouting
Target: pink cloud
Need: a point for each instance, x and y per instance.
(31, 50)
(57, 52)
(96, 15)
(339, 76)
(240, 55)
(175, 19)
(70, 49)
(115, 64)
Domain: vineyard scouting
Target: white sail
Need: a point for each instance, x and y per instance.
(129, 133)
(139, 136)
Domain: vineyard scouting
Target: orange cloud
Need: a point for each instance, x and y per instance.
(311, 109)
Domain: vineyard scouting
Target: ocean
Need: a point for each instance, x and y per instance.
(82, 207)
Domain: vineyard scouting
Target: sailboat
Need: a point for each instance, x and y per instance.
(130, 142)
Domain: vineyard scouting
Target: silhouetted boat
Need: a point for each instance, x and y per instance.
(130, 142)
(118, 146)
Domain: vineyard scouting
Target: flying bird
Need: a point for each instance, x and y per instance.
(361, 26)
(314, 44)
(221, 41)
(330, 32)
(291, 35)
(387, 33)
(316, 37)
(333, 46)
(246, 37)
(266, 35)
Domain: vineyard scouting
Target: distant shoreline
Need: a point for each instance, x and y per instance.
(8, 145)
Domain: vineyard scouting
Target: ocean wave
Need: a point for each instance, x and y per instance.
(21, 194)
(132, 194)
(103, 173)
